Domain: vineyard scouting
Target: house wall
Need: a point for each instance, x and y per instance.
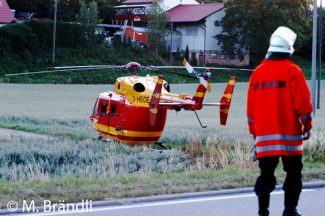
(212, 30)
(193, 34)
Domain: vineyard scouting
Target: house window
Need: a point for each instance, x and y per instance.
(138, 11)
(218, 23)
(213, 56)
(191, 31)
(121, 12)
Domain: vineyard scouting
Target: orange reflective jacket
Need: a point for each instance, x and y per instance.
(278, 108)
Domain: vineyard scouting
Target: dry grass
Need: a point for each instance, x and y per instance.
(63, 110)
(69, 166)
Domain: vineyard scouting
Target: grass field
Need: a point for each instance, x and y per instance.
(70, 160)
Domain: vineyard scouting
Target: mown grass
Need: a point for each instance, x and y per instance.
(73, 189)
(74, 129)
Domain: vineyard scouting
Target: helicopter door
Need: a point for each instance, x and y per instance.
(104, 110)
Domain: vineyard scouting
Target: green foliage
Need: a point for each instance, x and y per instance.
(35, 37)
(187, 53)
(248, 25)
(106, 9)
(193, 61)
(83, 55)
(17, 39)
(67, 9)
(88, 17)
(157, 28)
(41, 8)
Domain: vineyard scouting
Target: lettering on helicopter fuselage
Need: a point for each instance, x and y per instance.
(140, 99)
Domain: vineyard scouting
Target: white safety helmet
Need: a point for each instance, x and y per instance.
(282, 40)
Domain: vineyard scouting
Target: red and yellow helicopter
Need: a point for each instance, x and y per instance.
(135, 111)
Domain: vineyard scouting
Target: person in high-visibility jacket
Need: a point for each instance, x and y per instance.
(279, 118)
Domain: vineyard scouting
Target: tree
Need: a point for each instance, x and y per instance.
(158, 20)
(187, 54)
(193, 61)
(88, 18)
(40, 7)
(67, 9)
(247, 25)
(106, 9)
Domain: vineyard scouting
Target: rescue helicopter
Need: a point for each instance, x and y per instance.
(135, 112)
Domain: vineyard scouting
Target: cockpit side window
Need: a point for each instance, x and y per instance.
(103, 109)
(95, 110)
(113, 109)
(167, 86)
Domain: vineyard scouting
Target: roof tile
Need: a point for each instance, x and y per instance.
(6, 15)
(193, 12)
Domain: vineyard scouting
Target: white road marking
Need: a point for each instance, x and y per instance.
(162, 203)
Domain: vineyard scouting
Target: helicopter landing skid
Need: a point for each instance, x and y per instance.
(160, 144)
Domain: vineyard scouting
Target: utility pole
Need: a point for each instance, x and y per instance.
(314, 55)
(171, 45)
(320, 43)
(54, 30)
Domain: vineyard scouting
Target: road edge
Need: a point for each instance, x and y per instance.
(168, 197)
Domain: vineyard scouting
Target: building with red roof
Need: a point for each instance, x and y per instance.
(195, 26)
(192, 23)
(136, 11)
(6, 16)
(167, 4)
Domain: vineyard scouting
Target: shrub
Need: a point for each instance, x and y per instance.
(193, 59)
(17, 38)
(36, 37)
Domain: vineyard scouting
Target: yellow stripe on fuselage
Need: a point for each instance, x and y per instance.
(127, 133)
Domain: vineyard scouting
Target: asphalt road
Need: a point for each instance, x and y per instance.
(312, 203)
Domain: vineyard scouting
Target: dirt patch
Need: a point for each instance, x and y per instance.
(4, 133)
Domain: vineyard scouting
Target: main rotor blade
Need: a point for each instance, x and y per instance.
(54, 71)
(223, 68)
(211, 68)
(88, 66)
(180, 74)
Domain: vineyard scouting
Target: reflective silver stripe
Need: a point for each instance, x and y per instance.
(305, 117)
(278, 137)
(279, 148)
(250, 120)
